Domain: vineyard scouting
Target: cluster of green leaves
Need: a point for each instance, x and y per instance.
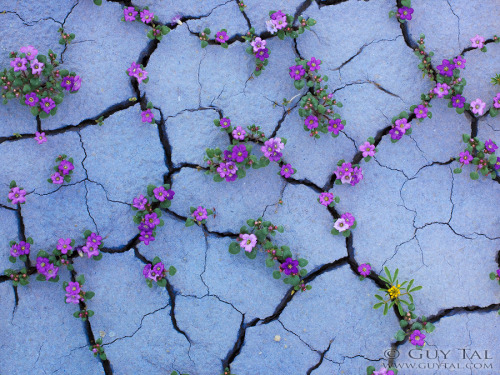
(484, 161)
(408, 326)
(404, 289)
(100, 121)
(276, 255)
(241, 5)
(192, 220)
(65, 38)
(260, 65)
(44, 85)
(162, 281)
(204, 37)
(85, 296)
(496, 276)
(496, 79)
(59, 159)
(290, 30)
(425, 59)
(100, 349)
(18, 277)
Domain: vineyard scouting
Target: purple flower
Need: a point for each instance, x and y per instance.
(65, 167)
(146, 271)
(64, 245)
(51, 271)
(458, 101)
(277, 15)
(340, 225)
(279, 21)
(383, 371)
(17, 195)
(258, 44)
(459, 62)
(286, 170)
(67, 83)
(347, 168)
(40, 137)
(146, 16)
(47, 104)
(222, 170)
(490, 146)
(151, 220)
(146, 237)
(14, 250)
(239, 133)
(248, 241)
(497, 164)
(498, 272)
(73, 288)
(94, 239)
(72, 298)
(421, 111)
(19, 64)
(130, 13)
(417, 338)
(57, 179)
(90, 249)
(335, 126)
(170, 194)
(225, 123)
(314, 64)
(160, 193)
(271, 27)
(348, 219)
(200, 214)
(231, 177)
(239, 153)
(405, 13)
(356, 176)
(31, 99)
(77, 83)
(262, 54)
(221, 37)
(465, 157)
(29, 51)
(159, 268)
(289, 267)
(339, 172)
(272, 148)
(441, 90)
(36, 66)
(367, 149)
(364, 269)
(477, 42)
(140, 202)
(311, 122)
(141, 75)
(326, 199)
(24, 248)
(446, 68)
(496, 101)
(227, 155)
(477, 106)
(297, 72)
(403, 125)
(133, 69)
(42, 264)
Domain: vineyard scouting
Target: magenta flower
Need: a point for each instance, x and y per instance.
(141, 75)
(57, 179)
(239, 133)
(421, 111)
(42, 264)
(170, 194)
(159, 268)
(19, 64)
(248, 241)
(64, 245)
(17, 195)
(496, 101)
(286, 170)
(290, 267)
(335, 126)
(47, 104)
(36, 66)
(94, 239)
(146, 271)
(51, 271)
(477, 106)
(258, 44)
(348, 219)
(417, 338)
(231, 176)
(65, 167)
(151, 220)
(130, 13)
(297, 72)
(465, 157)
(221, 37)
(14, 251)
(140, 202)
(441, 90)
(29, 51)
(262, 54)
(497, 164)
(73, 298)
(200, 214)
(311, 122)
(357, 176)
(490, 146)
(31, 99)
(146, 237)
(314, 64)
(147, 116)
(73, 288)
(160, 193)
(477, 42)
(364, 269)
(326, 199)
(280, 21)
(367, 149)
(91, 250)
(405, 13)
(225, 123)
(458, 101)
(40, 137)
(383, 371)
(77, 83)
(222, 170)
(340, 225)
(239, 153)
(146, 16)
(459, 62)
(446, 68)
(277, 15)
(403, 125)
(132, 71)
(67, 83)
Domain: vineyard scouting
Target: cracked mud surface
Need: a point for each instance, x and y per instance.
(223, 310)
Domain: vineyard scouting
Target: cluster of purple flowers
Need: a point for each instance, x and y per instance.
(16, 195)
(154, 272)
(345, 222)
(272, 149)
(92, 246)
(277, 22)
(46, 268)
(137, 71)
(400, 127)
(19, 249)
(63, 171)
(131, 14)
(383, 371)
(73, 292)
(347, 173)
(480, 154)
(71, 83)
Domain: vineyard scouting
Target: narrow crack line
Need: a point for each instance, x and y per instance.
(286, 112)
(458, 21)
(300, 338)
(88, 208)
(391, 169)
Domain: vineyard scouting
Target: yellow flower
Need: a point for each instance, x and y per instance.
(394, 291)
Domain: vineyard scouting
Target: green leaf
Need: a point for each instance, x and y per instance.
(388, 273)
(89, 295)
(156, 260)
(299, 85)
(281, 229)
(251, 254)
(303, 262)
(102, 356)
(370, 370)
(277, 275)
(403, 323)
(80, 279)
(162, 283)
(12, 259)
(98, 2)
(98, 257)
(474, 175)
(87, 233)
(429, 327)
(400, 335)
(411, 307)
(269, 262)
(457, 170)
(346, 233)
(416, 288)
(218, 178)
(234, 248)
(172, 270)
(150, 190)
(378, 305)
(41, 277)
(303, 272)
(386, 309)
(189, 222)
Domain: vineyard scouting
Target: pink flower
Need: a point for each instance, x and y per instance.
(477, 106)
(441, 89)
(17, 195)
(57, 179)
(340, 225)
(368, 149)
(248, 241)
(477, 41)
(40, 137)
